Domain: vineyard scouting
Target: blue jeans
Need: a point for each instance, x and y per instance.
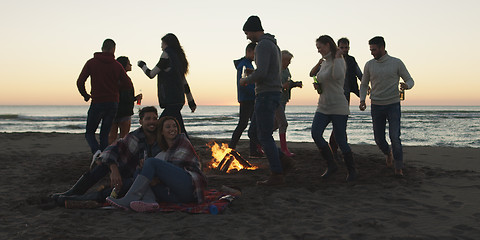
(261, 127)
(380, 115)
(175, 185)
(320, 122)
(104, 112)
(174, 111)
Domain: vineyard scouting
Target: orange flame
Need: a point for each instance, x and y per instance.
(221, 152)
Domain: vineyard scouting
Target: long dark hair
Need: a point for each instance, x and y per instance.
(162, 143)
(324, 39)
(172, 42)
(123, 60)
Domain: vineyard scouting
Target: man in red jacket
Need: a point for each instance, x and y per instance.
(106, 77)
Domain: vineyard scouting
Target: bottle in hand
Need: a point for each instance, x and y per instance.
(319, 87)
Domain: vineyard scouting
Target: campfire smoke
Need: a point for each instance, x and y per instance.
(226, 159)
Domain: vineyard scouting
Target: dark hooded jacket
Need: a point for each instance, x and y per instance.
(268, 58)
(244, 93)
(107, 76)
(170, 83)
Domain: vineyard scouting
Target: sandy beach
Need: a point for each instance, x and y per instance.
(437, 199)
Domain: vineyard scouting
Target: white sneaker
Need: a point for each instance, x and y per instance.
(95, 158)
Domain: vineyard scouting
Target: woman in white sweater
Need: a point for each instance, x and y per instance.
(332, 106)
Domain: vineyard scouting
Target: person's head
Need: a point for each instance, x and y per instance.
(253, 28)
(125, 63)
(108, 46)
(250, 50)
(167, 130)
(326, 45)
(171, 41)
(286, 58)
(377, 47)
(148, 119)
(344, 45)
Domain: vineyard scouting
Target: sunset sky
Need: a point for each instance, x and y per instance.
(44, 44)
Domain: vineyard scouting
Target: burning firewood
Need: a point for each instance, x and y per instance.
(240, 159)
(226, 159)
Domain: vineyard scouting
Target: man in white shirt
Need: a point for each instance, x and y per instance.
(383, 74)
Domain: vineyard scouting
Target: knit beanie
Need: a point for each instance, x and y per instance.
(253, 24)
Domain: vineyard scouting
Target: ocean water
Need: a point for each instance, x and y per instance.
(452, 126)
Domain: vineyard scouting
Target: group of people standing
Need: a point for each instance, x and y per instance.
(336, 74)
(112, 92)
(157, 162)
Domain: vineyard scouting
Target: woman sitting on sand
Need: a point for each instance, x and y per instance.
(177, 169)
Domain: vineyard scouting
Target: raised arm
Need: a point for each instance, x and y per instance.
(316, 68)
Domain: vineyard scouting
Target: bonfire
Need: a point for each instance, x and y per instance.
(226, 159)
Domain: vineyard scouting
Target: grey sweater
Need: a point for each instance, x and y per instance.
(268, 58)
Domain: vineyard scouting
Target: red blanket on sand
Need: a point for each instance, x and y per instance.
(211, 201)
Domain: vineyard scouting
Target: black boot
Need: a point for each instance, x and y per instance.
(331, 165)
(85, 182)
(91, 196)
(352, 172)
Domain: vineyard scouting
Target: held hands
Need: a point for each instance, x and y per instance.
(115, 178)
(141, 63)
(339, 53)
(243, 82)
(192, 105)
(248, 71)
(363, 106)
(87, 97)
(403, 86)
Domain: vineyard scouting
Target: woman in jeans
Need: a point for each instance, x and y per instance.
(332, 106)
(174, 175)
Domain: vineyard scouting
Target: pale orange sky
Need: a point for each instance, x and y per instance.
(45, 44)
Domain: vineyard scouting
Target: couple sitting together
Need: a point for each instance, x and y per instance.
(160, 159)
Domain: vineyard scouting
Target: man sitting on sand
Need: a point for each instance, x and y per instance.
(120, 159)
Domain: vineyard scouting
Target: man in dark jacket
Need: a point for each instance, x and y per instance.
(106, 77)
(353, 72)
(245, 94)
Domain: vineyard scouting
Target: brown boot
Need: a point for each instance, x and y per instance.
(274, 180)
(331, 164)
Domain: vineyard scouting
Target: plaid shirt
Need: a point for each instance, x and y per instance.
(128, 151)
(182, 154)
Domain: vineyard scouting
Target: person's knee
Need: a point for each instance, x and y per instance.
(149, 162)
(396, 141)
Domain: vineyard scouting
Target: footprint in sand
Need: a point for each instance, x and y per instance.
(404, 224)
(448, 197)
(456, 204)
